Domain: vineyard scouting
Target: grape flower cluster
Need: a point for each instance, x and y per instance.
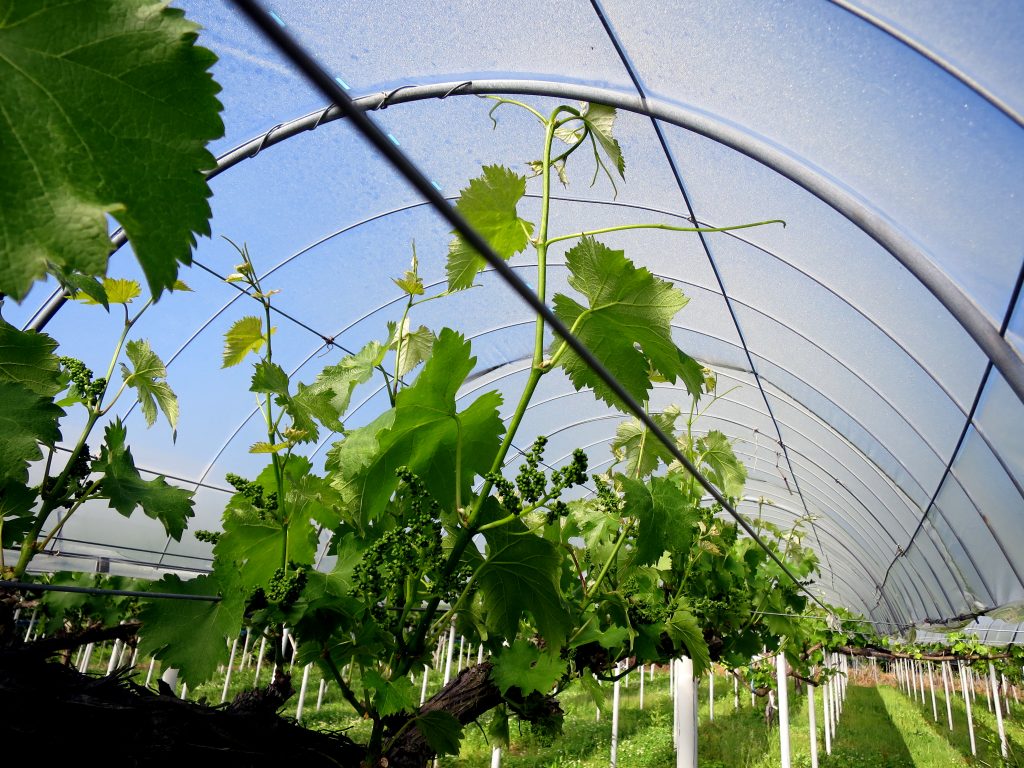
(253, 491)
(534, 488)
(82, 383)
(410, 549)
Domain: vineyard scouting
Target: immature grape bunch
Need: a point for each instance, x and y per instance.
(81, 377)
(285, 588)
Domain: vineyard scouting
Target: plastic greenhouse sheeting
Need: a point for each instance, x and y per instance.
(873, 381)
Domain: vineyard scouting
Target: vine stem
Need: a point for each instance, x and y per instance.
(608, 563)
(667, 227)
(56, 529)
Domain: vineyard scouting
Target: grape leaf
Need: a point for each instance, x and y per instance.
(441, 730)
(124, 488)
(189, 635)
(26, 421)
(638, 446)
(665, 517)
(17, 514)
(244, 336)
(26, 357)
(627, 324)
(327, 398)
(683, 628)
(601, 119)
(489, 205)
(523, 666)
(269, 378)
(148, 381)
(115, 291)
(425, 436)
(725, 470)
(415, 345)
(521, 573)
(128, 106)
(411, 283)
(391, 696)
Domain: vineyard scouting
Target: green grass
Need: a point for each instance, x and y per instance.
(880, 727)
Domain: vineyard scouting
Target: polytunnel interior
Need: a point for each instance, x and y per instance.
(869, 353)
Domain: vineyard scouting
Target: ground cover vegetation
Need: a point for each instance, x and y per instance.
(431, 521)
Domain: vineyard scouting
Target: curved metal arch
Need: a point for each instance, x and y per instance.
(942, 63)
(800, 171)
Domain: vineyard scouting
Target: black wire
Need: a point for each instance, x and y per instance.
(384, 146)
(97, 591)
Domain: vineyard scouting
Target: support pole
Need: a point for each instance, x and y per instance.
(426, 680)
(999, 711)
(686, 714)
(170, 676)
(302, 693)
(825, 693)
(244, 661)
(781, 679)
(967, 705)
(735, 692)
(641, 686)
(615, 721)
(711, 693)
(115, 656)
(448, 656)
(813, 726)
(231, 666)
(946, 674)
(149, 675)
(931, 685)
(320, 694)
(259, 662)
(86, 657)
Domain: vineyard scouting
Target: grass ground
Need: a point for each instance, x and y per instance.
(880, 727)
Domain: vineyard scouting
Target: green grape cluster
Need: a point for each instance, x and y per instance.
(411, 549)
(210, 537)
(82, 383)
(253, 491)
(532, 485)
(643, 607)
(285, 588)
(607, 499)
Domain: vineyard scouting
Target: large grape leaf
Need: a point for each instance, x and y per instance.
(724, 469)
(27, 357)
(523, 666)
(429, 435)
(148, 378)
(683, 628)
(521, 574)
(489, 205)
(189, 634)
(638, 446)
(626, 323)
(27, 420)
(665, 518)
(391, 696)
(107, 107)
(327, 398)
(441, 730)
(124, 488)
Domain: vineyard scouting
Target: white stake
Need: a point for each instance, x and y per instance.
(615, 720)
(812, 725)
(641, 686)
(259, 662)
(170, 676)
(462, 644)
(423, 688)
(480, 654)
(711, 694)
(825, 718)
(967, 704)
(184, 691)
(686, 714)
(320, 695)
(31, 623)
(920, 679)
(496, 757)
(245, 651)
(931, 685)
(448, 656)
(945, 687)
(115, 654)
(999, 710)
(231, 666)
(149, 675)
(1006, 694)
(84, 666)
(780, 678)
(735, 692)
(302, 693)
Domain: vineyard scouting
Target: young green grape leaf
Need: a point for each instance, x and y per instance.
(638, 446)
(27, 420)
(124, 488)
(244, 336)
(489, 205)
(26, 358)
(683, 628)
(84, 288)
(70, 65)
(189, 635)
(441, 730)
(412, 347)
(17, 511)
(116, 290)
(601, 119)
(521, 574)
(148, 380)
(269, 378)
(411, 283)
(724, 469)
(523, 666)
(327, 398)
(665, 517)
(390, 697)
(429, 435)
(627, 324)
(265, 447)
